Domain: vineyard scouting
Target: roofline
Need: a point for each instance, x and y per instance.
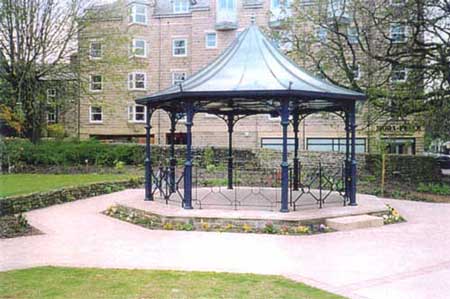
(250, 94)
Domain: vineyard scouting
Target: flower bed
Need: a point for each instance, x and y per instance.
(393, 216)
(153, 221)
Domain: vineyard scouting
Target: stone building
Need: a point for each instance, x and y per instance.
(132, 48)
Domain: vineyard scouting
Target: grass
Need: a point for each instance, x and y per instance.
(16, 184)
(71, 283)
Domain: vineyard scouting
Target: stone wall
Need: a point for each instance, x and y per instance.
(24, 203)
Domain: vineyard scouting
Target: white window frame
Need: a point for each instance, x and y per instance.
(91, 82)
(391, 33)
(185, 47)
(51, 117)
(207, 46)
(405, 69)
(133, 47)
(51, 93)
(181, 6)
(352, 38)
(90, 50)
(358, 68)
(132, 114)
(132, 81)
(228, 13)
(134, 14)
(175, 72)
(92, 114)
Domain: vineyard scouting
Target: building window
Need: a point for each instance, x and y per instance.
(96, 83)
(401, 146)
(352, 35)
(51, 116)
(178, 138)
(137, 113)
(181, 6)
(138, 14)
(211, 40)
(95, 114)
(179, 47)
(51, 93)
(178, 77)
(226, 11)
(399, 74)
(334, 145)
(276, 143)
(137, 81)
(95, 50)
(356, 69)
(139, 48)
(397, 33)
(321, 34)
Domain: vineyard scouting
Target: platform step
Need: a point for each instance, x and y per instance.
(354, 222)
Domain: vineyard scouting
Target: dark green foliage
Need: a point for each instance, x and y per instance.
(65, 153)
(406, 168)
(435, 188)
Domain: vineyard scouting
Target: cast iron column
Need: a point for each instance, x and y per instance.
(353, 156)
(173, 161)
(230, 124)
(284, 163)
(187, 204)
(148, 155)
(295, 124)
(347, 177)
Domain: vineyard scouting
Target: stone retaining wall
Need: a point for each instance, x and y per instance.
(24, 203)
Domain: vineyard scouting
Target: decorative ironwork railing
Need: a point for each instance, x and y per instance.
(252, 187)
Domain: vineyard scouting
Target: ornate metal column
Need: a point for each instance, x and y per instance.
(230, 124)
(148, 155)
(284, 163)
(172, 160)
(187, 203)
(295, 124)
(347, 178)
(353, 156)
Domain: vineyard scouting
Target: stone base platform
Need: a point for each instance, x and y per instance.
(367, 205)
(354, 222)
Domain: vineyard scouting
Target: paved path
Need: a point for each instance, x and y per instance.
(409, 260)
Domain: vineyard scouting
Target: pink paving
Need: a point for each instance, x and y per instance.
(407, 260)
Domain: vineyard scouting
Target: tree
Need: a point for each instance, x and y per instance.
(37, 38)
(394, 51)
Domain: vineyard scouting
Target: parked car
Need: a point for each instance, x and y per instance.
(444, 161)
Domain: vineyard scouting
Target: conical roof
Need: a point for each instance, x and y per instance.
(253, 68)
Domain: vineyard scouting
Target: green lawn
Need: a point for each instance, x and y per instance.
(68, 283)
(15, 184)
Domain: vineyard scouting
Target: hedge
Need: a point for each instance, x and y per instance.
(406, 168)
(23, 203)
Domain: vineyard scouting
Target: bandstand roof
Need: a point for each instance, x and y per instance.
(250, 77)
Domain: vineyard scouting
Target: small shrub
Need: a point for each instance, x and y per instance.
(119, 165)
(246, 228)
(168, 226)
(269, 228)
(56, 131)
(187, 227)
(301, 229)
(435, 188)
